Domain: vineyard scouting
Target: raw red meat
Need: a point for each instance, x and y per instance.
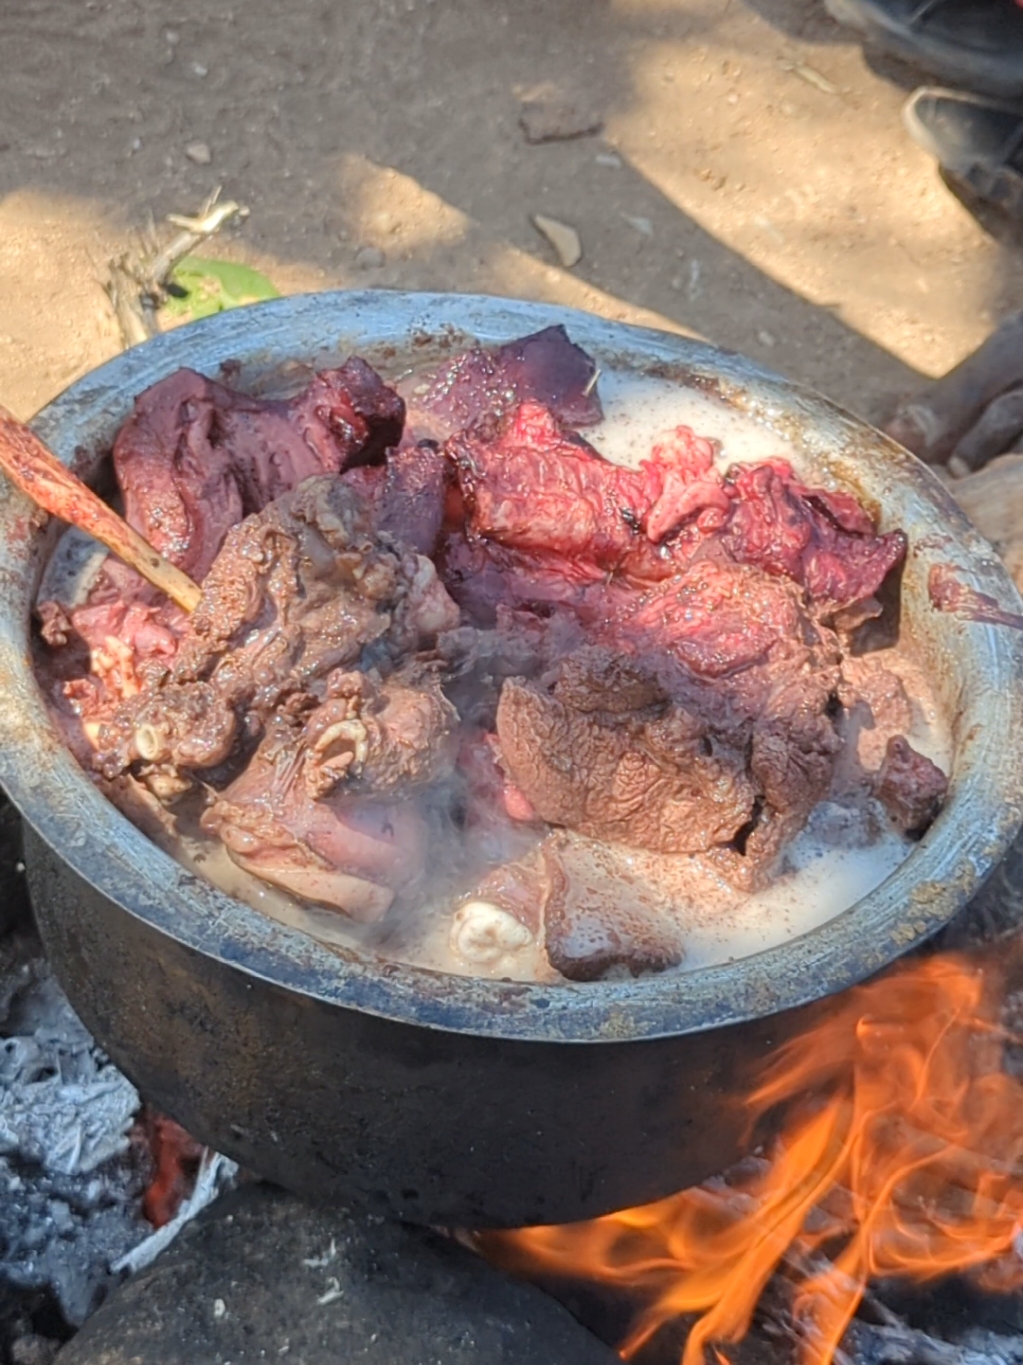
(542, 504)
(822, 540)
(546, 367)
(534, 488)
(195, 457)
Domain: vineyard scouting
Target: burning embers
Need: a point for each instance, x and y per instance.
(448, 656)
(899, 1153)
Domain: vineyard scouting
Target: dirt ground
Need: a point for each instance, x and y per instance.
(752, 182)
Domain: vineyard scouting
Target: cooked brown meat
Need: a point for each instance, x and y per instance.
(353, 853)
(391, 736)
(792, 760)
(652, 777)
(601, 746)
(877, 707)
(303, 586)
(571, 894)
(299, 590)
(910, 787)
(596, 919)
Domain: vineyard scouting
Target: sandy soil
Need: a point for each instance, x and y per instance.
(752, 182)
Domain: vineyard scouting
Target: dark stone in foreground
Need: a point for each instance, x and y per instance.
(263, 1276)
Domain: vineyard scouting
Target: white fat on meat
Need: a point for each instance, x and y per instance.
(483, 934)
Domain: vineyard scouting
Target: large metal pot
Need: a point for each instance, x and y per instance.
(443, 1098)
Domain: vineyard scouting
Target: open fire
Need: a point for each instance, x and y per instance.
(897, 1151)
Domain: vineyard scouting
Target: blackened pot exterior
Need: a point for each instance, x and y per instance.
(449, 1098)
(431, 1126)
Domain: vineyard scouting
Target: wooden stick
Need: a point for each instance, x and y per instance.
(38, 472)
(137, 283)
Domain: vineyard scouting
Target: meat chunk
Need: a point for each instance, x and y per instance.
(533, 488)
(727, 629)
(298, 591)
(388, 736)
(545, 367)
(573, 896)
(195, 457)
(792, 760)
(501, 922)
(651, 775)
(639, 749)
(910, 787)
(325, 807)
(553, 518)
(125, 632)
(949, 593)
(351, 854)
(877, 707)
(597, 920)
(823, 540)
(411, 497)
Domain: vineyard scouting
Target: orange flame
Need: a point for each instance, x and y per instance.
(901, 1154)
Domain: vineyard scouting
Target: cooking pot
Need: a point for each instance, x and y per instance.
(442, 1098)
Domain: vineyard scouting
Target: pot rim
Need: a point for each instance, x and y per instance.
(938, 877)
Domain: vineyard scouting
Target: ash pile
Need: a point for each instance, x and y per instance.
(71, 1175)
(75, 1163)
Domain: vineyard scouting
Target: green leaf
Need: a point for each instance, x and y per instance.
(215, 286)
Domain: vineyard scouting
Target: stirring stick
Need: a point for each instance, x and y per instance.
(38, 472)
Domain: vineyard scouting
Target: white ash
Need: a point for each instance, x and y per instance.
(74, 1164)
(63, 1106)
(71, 1180)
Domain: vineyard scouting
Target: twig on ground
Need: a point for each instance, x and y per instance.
(137, 282)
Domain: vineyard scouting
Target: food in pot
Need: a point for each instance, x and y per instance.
(489, 699)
